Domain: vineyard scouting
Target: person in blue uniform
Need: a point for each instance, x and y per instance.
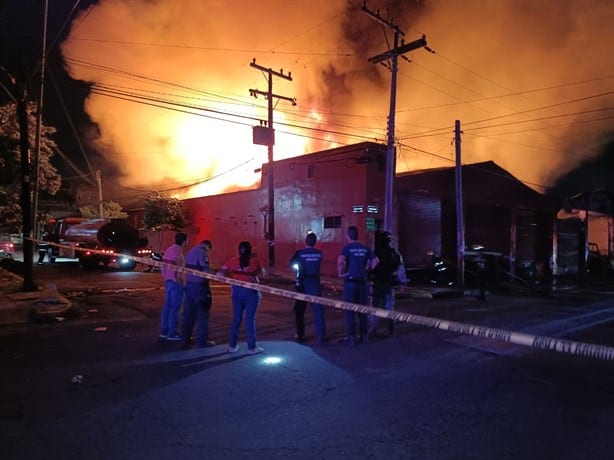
(307, 262)
(198, 299)
(353, 265)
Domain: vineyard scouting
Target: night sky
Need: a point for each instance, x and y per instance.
(530, 81)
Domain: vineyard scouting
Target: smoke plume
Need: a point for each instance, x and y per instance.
(531, 83)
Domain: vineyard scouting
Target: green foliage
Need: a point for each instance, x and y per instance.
(10, 164)
(162, 213)
(110, 210)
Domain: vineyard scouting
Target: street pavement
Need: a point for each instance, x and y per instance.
(103, 387)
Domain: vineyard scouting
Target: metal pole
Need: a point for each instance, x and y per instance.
(39, 121)
(460, 217)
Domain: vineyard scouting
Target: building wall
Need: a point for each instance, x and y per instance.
(500, 213)
(325, 192)
(309, 191)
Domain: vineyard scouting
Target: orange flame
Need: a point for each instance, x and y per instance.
(171, 85)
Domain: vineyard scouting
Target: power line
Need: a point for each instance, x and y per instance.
(221, 50)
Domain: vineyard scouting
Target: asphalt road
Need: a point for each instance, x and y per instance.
(102, 386)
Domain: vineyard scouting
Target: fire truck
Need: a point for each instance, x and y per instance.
(101, 241)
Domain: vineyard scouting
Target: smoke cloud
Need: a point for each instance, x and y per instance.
(531, 83)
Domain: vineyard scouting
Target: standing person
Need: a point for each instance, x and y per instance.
(307, 262)
(244, 267)
(173, 288)
(389, 272)
(198, 299)
(43, 247)
(352, 265)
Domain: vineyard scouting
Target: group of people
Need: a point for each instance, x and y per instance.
(194, 292)
(360, 267)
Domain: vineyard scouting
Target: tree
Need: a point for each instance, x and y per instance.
(161, 213)
(110, 210)
(49, 179)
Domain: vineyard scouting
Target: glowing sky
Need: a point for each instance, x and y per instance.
(531, 82)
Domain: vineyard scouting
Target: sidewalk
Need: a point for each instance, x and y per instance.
(19, 307)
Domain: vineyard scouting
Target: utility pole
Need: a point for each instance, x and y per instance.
(392, 57)
(266, 136)
(39, 121)
(460, 216)
(26, 198)
(99, 180)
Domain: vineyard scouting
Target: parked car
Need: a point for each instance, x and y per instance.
(7, 248)
(16, 239)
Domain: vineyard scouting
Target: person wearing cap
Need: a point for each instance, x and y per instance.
(173, 288)
(385, 276)
(307, 262)
(353, 265)
(198, 299)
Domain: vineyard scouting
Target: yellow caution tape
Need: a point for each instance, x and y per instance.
(529, 340)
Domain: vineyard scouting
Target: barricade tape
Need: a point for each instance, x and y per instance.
(583, 349)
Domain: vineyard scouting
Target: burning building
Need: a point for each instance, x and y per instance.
(327, 191)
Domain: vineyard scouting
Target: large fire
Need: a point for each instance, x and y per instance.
(170, 84)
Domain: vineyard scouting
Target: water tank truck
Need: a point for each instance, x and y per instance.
(102, 241)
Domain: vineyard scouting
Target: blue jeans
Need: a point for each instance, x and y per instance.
(196, 306)
(244, 300)
(355, 292)
(173, 296)
(311, 287)
(383, 297)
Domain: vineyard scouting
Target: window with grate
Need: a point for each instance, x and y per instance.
(332, 222)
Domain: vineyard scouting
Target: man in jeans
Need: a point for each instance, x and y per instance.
(173, 288)
(197, 302)
(352, 265)
(307, 263)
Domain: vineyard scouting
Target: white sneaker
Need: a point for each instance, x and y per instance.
(233, 349)
(255, 350)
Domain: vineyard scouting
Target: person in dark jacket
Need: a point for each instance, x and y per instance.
(307, 262)
(389, 273)
(43, 247)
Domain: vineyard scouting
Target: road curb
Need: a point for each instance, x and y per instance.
(43, 305)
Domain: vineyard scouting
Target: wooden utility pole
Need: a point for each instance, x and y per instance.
(460, 214)
(269, 141)
(99, 180)
(391, 57)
